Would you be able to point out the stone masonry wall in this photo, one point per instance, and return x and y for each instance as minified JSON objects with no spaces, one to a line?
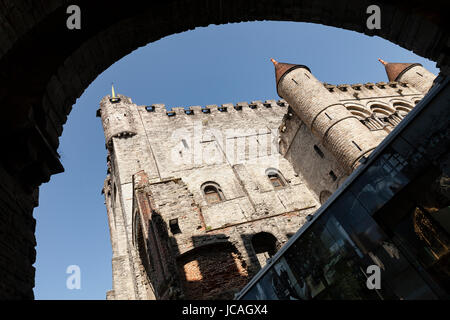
{"x":179,"y":153}
{"x":419,"y":78}
{"x":194,"y":247}
{"x":380,"y":106}
{"x":337,"y":128}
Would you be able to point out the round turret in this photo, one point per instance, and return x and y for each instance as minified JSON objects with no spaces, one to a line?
{"x":117,"y":118}
{"x":413,"y":74}
{"x":339,"y":130}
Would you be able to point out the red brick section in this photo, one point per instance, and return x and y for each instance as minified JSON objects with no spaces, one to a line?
{"x":141,"y":198}
{"x":162,"y":272}
{"x":213,"y":272}
{"x":157,"y":277}
{"x":153,"y":246}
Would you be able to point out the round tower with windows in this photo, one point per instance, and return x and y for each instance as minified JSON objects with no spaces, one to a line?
{"x":413,"y":74}
{"x":340,"y":131}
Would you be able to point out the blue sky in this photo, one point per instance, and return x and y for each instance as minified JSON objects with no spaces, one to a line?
{"x":213,"y":65}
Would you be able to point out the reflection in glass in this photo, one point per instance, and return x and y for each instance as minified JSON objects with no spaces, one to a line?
{"x":330,"y":260}
{"x":395,"y":215}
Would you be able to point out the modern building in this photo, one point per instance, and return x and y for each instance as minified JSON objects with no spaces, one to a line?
{"x":199,"y":199}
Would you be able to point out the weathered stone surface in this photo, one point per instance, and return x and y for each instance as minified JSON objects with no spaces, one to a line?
{"x":157,"y":179}
{"x":376,"y":108}
{"x":169,"y":241}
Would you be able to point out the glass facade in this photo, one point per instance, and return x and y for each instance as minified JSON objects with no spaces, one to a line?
{"x":394,"y":214}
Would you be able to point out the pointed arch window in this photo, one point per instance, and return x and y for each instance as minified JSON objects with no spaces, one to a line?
{"x":212,"y":192}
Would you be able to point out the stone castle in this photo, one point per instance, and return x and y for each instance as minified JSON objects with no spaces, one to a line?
{"x":198,"y":198}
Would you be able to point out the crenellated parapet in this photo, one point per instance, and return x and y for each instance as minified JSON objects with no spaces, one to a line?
{"x":413,"y":74}
{"x":117,"y":118}
{"x":214,"y":108}
{"x":361,"y":91}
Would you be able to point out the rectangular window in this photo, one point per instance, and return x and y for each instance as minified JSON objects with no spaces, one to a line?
{"x":174,"y":227}
{"x":318,"y":151}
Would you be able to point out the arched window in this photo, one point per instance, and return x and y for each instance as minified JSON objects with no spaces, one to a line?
{"x":275,"y":178}
{"x":212,"y":192}
{"x":207,"y":270}
{"x":365,"y":117}
{"x":265,"y":245}
{"x":324,"y":195}
{"x":386,"y":115}
{"x":382,"y":111}
{"x":415,"y":100}
{"x":402,"y":108}
{"x":360,"y":112}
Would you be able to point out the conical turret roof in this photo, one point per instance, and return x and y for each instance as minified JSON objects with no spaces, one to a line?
{"x":395,"y":70}
{"x":282,"y":68}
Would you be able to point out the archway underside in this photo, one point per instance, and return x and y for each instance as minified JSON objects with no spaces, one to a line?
{"x":45,"y":67}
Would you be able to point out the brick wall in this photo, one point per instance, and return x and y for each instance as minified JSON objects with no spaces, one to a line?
{"x":213,"y":272}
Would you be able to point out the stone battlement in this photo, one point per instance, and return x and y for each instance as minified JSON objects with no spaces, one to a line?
{"x":213,"y":108}
{"x":368,"y":85}
{"x":367,"y":90}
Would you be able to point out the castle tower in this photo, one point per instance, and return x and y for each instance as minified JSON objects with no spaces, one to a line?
{"x":340,"y":131}
{"x":412,"y":73}
{"x":117,"y":119}
{"x":198,"y":198}
{"x":123,"y":141}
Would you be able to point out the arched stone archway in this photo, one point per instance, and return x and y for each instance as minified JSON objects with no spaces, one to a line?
{"x":265,"y":246}
{"x":45,"y":67}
